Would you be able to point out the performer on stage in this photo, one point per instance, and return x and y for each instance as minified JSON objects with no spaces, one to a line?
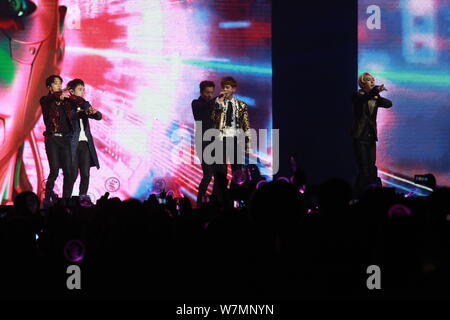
{"x":365,"y":107}
{"x":230,"y":117}
{"x":84,"y":155}
{"x":57,"y":114}
{"x":202,"y":109}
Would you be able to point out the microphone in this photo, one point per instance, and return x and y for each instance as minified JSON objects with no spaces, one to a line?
{"x":221,"y":95}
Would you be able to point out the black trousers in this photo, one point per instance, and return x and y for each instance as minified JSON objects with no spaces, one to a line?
{"x":365,"y":155}
{"x":59,"y":156}
{"x":82,"y":164}
{"x":233,"y":155}
{"x":209,"y":171}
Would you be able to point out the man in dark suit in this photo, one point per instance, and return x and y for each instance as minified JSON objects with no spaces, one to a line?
{"x":84,"y":155}
{"x":365,"y":107}
{"x":201,"y":109}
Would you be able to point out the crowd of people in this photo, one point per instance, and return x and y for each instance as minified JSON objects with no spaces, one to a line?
{"x":286,"y":242}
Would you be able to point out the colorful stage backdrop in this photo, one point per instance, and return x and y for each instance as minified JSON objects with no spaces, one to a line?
{"x":142,"y":61}
{"x":405,"y":44}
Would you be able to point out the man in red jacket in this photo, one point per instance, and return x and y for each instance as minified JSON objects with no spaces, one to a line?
{"x":57,"y":113}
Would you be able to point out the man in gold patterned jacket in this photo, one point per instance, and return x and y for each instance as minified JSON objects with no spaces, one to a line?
{"x":230,"y":117}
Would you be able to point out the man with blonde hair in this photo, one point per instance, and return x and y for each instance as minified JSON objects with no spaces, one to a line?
{"x":364,"y":132}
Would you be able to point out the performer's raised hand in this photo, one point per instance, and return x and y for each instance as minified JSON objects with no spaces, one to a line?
{"x":221,"y":96}
{"x":91,"y":110}
{"x":65,"y":95}
{"x":381,"y":88}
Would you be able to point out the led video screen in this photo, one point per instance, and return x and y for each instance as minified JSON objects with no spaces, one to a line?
{"x":142,"y":62}
{"x":405,"y":44}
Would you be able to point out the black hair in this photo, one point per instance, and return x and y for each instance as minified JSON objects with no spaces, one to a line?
{"x":72,"y":84}
{"x":205,"y":84}
{"x":51,"y":79}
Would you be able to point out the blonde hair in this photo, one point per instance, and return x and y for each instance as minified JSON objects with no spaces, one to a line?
{"x":361,"y":79}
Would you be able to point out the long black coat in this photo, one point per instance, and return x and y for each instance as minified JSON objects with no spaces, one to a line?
{"x":76,"y":135}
